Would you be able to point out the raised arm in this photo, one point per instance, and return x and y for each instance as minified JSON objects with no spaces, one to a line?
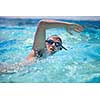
{"x":58,"y":24}
{"x":40,"y":35}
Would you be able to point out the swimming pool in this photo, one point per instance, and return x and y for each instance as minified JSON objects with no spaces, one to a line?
{"x":80,"y":63}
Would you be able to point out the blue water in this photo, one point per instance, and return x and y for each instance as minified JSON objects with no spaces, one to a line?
{"x":81,"y":63}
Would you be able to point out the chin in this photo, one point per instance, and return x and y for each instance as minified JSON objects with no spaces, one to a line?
{"x":52,"y":52}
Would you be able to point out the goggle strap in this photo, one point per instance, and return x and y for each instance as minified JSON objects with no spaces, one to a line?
{"x":63,"y":47}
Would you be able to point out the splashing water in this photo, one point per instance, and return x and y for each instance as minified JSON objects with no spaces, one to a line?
{"x":81,"y":63}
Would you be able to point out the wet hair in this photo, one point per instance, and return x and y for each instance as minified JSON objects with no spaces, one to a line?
{"x":55,"y":36}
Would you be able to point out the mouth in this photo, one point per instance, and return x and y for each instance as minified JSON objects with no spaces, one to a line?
{"x":52,"y":49}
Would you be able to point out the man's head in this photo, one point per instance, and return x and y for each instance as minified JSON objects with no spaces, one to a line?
{"x":54,"y":44}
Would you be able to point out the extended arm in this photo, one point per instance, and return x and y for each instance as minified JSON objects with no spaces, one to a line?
{"x":60,"y":24}
{"x":40,"y":34}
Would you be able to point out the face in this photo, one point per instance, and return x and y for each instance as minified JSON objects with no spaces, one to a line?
{"x":53,"y":45}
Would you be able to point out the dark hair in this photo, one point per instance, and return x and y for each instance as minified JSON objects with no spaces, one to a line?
{"x":56,"y":36}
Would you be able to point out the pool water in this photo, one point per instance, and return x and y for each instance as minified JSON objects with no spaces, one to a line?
{"x":80,"y":63}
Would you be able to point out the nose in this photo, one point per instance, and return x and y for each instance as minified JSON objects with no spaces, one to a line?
{"x":53,"y":44}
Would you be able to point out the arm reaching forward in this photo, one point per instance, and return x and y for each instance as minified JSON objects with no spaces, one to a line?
{"x":40,"y":34}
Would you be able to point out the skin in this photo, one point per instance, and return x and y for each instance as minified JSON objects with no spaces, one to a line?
{"x":40,"y":36}
{"x":52,"y":48}
{"x":39,"y":41}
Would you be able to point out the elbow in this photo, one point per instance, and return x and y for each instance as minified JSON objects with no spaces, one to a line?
{"x":41,"y":22}
{"x":46,"y":21}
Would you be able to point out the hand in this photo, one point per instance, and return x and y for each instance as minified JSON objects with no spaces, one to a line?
{"x":74,"y":27}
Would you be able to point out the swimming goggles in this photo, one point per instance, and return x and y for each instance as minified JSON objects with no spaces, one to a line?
{"x":57,"y":44}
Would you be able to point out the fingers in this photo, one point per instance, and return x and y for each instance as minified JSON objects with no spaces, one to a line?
{"x":77,"y":30}
{"x":79,"y":27}
{"x":74,"y":27}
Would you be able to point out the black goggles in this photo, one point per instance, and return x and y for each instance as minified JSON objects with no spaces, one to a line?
{"x":57,"y":44}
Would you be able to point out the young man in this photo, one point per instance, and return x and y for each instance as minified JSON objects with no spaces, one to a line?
{"x":41,"y":46}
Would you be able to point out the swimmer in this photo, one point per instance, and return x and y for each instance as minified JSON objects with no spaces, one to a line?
{"x":42,"y":47}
